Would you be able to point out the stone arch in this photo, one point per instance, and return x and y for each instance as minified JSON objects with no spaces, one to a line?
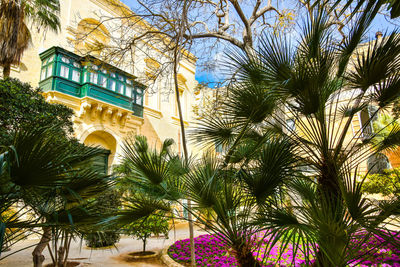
{"x":104,"y":138}
{"x":91,"y":36}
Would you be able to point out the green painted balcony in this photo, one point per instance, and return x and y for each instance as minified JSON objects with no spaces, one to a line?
{"x":87,"y":76}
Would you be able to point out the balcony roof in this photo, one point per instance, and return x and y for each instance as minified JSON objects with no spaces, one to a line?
{"x":88,"y":58}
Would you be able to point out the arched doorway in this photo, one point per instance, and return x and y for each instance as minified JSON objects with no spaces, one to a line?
{"x":105,"y":141}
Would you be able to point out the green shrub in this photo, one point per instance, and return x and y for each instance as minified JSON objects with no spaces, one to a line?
{"x":386,"y":184}
{"x":102,"y":239}
{"x":154,"y":224}
{"x":21,"y":105}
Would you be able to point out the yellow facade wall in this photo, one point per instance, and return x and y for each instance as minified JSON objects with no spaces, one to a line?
{"x":102,"y":124}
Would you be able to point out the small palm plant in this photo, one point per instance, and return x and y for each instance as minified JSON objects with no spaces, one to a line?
{"x":231,"y":191}
{"x":53,"y":181}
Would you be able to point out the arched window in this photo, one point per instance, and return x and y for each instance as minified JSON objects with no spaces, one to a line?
{"x":151,"y":72}
{"x":91,"y":37}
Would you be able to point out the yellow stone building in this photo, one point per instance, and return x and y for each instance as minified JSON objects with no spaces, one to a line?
{"x":111,"y":99}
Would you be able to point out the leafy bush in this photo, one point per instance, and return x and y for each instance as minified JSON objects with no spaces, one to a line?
{"x":386,"y":184}
{"x":102,"y":239}
{"x":22,"y":106}
{"x":154,"y":224}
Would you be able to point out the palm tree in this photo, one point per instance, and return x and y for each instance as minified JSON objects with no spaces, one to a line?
{"x":321,"y":84}
{"x":15,"y":36}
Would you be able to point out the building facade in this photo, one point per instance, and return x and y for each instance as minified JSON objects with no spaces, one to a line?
{"x":112,"y":99}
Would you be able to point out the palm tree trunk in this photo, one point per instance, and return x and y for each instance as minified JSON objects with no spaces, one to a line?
{"x":244,"y":256}
{"x":62,"y":250}
{"x":38,"y":257}
{"x":6,"y":71}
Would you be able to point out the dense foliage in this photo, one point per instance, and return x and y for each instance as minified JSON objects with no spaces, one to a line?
{"x":386,"y":184}
{"x":23,"y":106}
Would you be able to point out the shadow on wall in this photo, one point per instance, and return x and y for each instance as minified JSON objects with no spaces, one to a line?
{"x":104,"y":140}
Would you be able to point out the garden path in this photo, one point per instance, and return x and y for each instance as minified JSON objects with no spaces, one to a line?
{"x":104,"y":257}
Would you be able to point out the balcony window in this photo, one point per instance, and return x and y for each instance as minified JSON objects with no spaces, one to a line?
{"x":64,"y":71}
{"x":76,"y":76}
{"x":103,"y":81}
{"x":120,"y":88}
{"x":65,"y":60}
{"x":112,"y":85}
{"x":366,"y":118}
{"x":93,"y":77}
{"x":128,"y":91}
{"x":139,"y":97}
{"x":43,"y":74}
{"x":49,"y":70}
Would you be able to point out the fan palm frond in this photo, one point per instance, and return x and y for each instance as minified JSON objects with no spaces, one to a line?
{"x":391,"y":141}
{"x":147,"y":164}
{"x":375,"y":63}
{"x":215,"y":130}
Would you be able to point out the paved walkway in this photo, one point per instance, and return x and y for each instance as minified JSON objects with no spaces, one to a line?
{"x":100,"y":257}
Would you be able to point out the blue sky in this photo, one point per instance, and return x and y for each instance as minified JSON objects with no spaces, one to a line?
{"x":217,"y":57}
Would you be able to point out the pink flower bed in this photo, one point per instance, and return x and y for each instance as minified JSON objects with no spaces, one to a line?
{"x":387,"y":254}
{"x":212,"y":251}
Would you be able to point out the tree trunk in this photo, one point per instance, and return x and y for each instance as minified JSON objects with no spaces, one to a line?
{"x":3,"y":246}
{"x":6,"y":71}
{"x":38,"y":257}
{"x":144,"y":244}
{"x":330,"y":198}
{"x":177,"y":54}
{"x":182,"y":126}
{"x":321,"y":260}
{"x":61,"y":255}
{"x":245,"y":257}
{"x":249,"y":50}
